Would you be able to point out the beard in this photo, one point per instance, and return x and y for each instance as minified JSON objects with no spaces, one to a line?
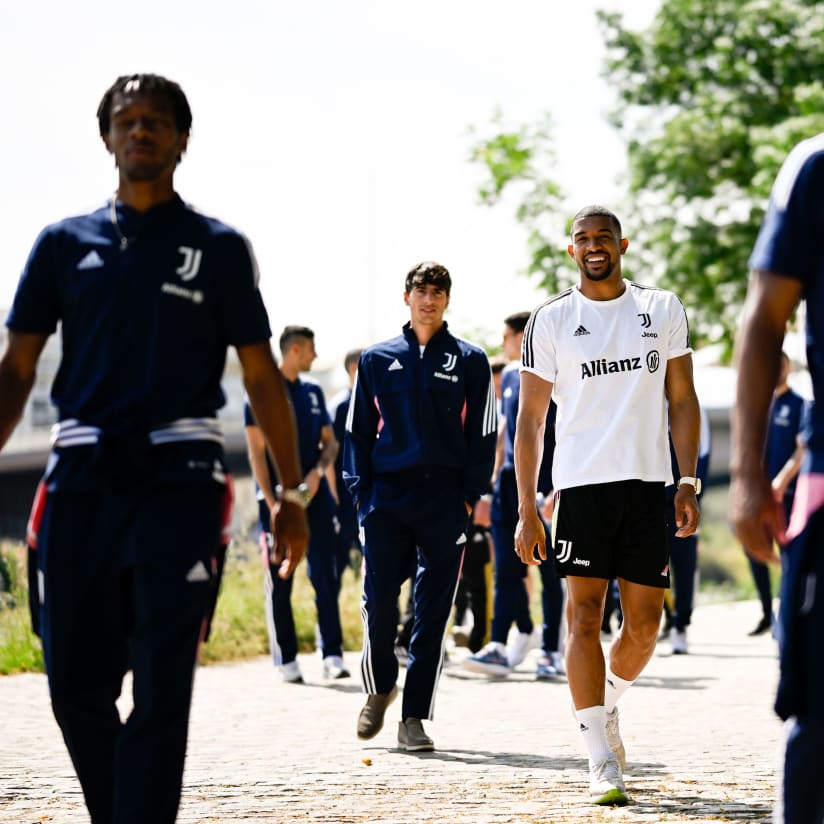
{"x":596,"y":278}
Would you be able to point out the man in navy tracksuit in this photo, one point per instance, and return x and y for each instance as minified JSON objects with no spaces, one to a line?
{"x":130,"y":518}
{"x":348,"y":537}
{"x":511,"y":595}
{"x":419,"y":452}
{"x":317,"y":447}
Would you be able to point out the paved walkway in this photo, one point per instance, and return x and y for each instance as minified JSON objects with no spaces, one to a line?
{"x":701,"y":739}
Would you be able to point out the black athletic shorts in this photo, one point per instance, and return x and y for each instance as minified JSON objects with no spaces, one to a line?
{"x":612,"y":530}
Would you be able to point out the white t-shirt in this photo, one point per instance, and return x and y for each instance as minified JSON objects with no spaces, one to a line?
{"x":607,"y":362}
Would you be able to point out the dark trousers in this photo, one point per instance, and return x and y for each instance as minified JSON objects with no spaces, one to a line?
{"x":127,"y":582}
{"x":802,"y":791}
{"x":683,"y":559}
{"x":801,"y":619}
{"x":761,"y":577}
{"x":683,"y":564}
{"x":432,"y":538}
{"x":511,"y":604}
{"x":322,"y":569}
{"x":473,"y":588}
{"x":347,"y":531}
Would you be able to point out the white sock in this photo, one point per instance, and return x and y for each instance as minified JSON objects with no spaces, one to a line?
{"x":592,"y":724}
{"x":615,"y":687}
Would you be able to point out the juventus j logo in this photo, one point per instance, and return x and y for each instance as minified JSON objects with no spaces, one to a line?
{"x":450,"y":362}
{"x":566,"y":551}
{"x":191,"y":262}
{"x":646,"y":321}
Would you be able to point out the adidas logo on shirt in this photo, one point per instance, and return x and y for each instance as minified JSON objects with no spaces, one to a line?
{"x":198,"y":573}
{"x":91,"y":261}
{"x":581,"y":330}
{"x":395,"y":365}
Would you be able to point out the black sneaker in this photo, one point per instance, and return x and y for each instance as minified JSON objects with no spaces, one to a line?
{"x":764,"y":625}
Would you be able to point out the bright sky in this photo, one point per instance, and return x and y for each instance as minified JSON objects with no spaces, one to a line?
{"x":334,"y":134}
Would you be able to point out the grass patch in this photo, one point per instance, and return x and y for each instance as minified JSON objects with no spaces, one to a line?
{"x":20,"y":649}
{"x":239,"y":626}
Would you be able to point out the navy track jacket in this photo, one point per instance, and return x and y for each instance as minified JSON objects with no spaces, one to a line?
{"x":416,"y":412}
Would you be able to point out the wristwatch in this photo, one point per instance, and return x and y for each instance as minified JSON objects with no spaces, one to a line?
{"x":300,"y":495}
{"x":696,"y":482}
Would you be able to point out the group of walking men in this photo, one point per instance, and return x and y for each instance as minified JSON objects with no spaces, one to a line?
{"x":129,"y":525}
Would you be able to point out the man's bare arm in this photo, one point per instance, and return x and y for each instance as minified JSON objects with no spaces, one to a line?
{"x":273,"y":412}
{"x":685,"y":426}
{"x":326,"y":458}
{"x":18,"y":368}
{"x":754,"y":513}
{"x":533,"y":403}
{"x":256,"y":452}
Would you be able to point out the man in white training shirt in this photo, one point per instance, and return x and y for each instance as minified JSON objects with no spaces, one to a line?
{"x":616,"y":358}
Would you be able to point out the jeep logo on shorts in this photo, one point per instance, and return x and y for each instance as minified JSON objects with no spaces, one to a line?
{"x":653,"y":361}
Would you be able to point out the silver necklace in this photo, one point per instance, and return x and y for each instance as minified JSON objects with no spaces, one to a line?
{"x":124,"y":241}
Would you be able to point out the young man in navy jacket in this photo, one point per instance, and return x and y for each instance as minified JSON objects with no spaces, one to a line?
{"x":131,"y":519}
{"x":418,"y":454}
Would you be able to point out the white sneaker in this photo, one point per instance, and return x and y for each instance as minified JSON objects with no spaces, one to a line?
{"x":334,"y":668}
{"x":678,"y":639}
{"x":614,"y":739}
{"x":557,"y":660}
{"x":517,"y":648}
{"x":606,"y":785}
{"x":291,"y":673}
{"x":519,"y":644}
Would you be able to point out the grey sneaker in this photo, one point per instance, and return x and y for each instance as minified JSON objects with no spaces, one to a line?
{"x":606,"y":785}
{"x":549,"y":666}
{"x":370,"y":720}
{"x":412,"y":738}
{"x":614,"y":739}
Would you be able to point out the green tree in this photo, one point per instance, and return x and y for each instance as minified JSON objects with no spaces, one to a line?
{"x":517,"y":164}
{"x":712,"y":95}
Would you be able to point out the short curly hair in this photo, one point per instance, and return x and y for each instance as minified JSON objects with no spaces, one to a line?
{"x":150,"y":84}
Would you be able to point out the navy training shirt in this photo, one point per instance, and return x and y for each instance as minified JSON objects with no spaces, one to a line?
{"x":510,"y":395}
{"x":418,"y":410}
{"x":144,"y":329}
{"x":311,"y":416}
{"x":338,"y":410}
{"x":789,"y":244}
{"x":787,"y":413}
